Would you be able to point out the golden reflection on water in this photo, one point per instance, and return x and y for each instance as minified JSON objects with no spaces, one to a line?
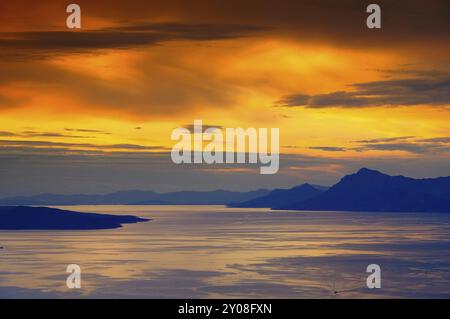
{"x":213,"y":251}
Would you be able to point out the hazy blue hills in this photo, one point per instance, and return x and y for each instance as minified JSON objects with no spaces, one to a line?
{"x":279,"y":197}
{"x":43,"y":218}
{"x":116,"y":198}
{"x":370,"y":190}
{"x":218,"y":197}
{"x":365,"y":190}
{"x":137,"y":197}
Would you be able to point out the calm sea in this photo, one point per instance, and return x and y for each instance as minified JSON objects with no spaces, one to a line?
{"x":218,"y":252}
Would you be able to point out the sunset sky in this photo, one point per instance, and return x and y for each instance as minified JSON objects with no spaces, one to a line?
{"x":92,"y":110}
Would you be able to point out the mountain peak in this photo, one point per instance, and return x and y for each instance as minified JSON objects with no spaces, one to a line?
{"x":368,"y":171}
{"x":371,"y":190}
{"x":279,"y":197}
{"x":304,"y":185}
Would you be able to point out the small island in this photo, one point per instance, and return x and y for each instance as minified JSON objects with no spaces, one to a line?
{"x":44,"y":218}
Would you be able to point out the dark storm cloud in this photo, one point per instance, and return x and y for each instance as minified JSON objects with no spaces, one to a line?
{"x":400,"y":92}
{"x":343,"y":22}
{"x":47,"y":43}
{"x":337,"y":22}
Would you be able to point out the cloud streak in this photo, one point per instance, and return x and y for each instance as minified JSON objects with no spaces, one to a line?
{"x":399,"y":92}
{"x":41,"y":44}
{"x":386,"y":139}
{"x":328,"y":148}
{"x":416,"y":148}
{"x":28,"y":134}
{"x":409,"y":144}
{"x":37,"y":145}
{"x":80,"y":130}
{"x":191,"y":127}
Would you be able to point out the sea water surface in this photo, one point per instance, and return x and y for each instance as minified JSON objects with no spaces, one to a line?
{"x":219,"y":252}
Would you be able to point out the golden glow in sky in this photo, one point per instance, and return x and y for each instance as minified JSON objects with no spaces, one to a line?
{"x":137,"y":70}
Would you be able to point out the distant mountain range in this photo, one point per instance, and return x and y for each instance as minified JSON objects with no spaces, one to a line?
{"x":366,"y":190}
{"x":136,"y":197}
{"x":370,"y":190}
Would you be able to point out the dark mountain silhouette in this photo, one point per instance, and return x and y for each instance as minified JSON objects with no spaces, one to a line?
{"x":279,"y":197}
{"x":370,"y":190}
{"x":136,"y":197}
{"x":366,"y":190}
{"x":43,"y":218}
